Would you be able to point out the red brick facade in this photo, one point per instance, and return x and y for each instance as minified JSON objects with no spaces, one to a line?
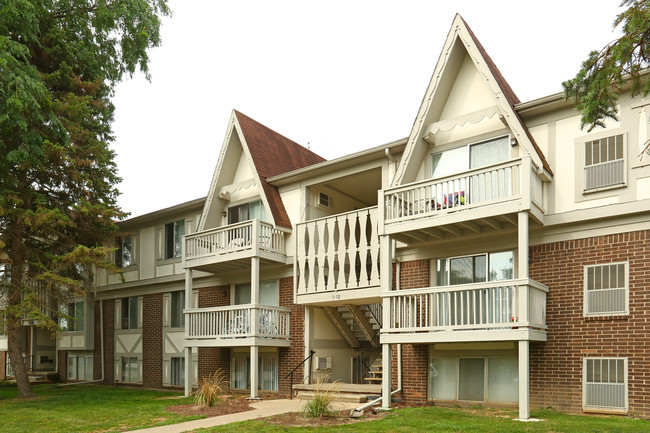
{"x":556,"y":365}
{"x":290,"y":357}
{"x":211,"y":359}
{"x":152,"y":338}
{"x":109,"y":342}
{"x":3,"y":365}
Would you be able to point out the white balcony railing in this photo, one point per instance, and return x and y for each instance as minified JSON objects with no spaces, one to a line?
{"x":254,"y":235}
{"x":511,"y":304}
{"x":338,"y":252}
{"x":237,"y":321}
{"x":501,"y":182}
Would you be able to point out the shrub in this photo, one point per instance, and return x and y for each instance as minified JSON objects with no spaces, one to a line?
{"x":322,"y":403}
{"x":211,"y":388}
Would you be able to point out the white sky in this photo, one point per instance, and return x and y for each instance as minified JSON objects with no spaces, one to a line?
{"x":343,"y":76}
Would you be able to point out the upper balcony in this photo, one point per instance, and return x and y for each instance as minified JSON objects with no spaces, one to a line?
{"x":488,"y":311}
{"x":477,"y":200}
{"x":230,"y":247}
{"x":337,"y":259}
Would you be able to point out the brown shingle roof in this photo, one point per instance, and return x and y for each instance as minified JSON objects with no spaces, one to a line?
{"x":274,"y":154}
{"x":510,"y":95}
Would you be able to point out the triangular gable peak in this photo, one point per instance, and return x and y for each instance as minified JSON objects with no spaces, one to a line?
{"x":251,"y":153}
{"x":467,"y":99}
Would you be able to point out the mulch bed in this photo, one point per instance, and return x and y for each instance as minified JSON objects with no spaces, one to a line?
{"x":225,"y":407}
{"x":296,"y":419}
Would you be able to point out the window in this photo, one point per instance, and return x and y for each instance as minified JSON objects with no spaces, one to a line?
{"x":269,"y":293}
{"x":178,"y":305}
{"x":247,"y":211}
{"x":604,"y":163}
{"x":605,"y":383}
{"x":267,"y":371}
{"x":80,"y":367}
{"x":130,"y":313}
{"x":493,"y":379}
{"x":74,"y":317}
{"x":174,"y":239}
{"x":130,"y":369}
{"x":472,"y":156}
{"x":475,"y":269}
{"x":178,"y":372}
{"x":125,"y":254}
{"x":606,"y":289}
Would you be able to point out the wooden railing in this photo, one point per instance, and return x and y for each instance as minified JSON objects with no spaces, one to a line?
{"x":338,"y":252}
{"x":496,"y":183}
{"x":250,"y":235}
{"x":480,"y":306}
{"x":237,"y":321}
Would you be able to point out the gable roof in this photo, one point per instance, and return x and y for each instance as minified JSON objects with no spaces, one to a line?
{"x":461,"y":37}
{"x":273,"y":154}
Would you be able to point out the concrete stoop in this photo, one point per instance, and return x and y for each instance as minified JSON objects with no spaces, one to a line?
{"x":348,"y":398}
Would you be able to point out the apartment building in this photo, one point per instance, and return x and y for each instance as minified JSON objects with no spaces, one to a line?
{"x":497,"y":255}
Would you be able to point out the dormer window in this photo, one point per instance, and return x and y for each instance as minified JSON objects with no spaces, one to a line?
{"x":471,"y":156}
{"x":247,"y":211}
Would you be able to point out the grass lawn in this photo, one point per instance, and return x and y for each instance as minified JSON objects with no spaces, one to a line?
{"x":436,"y":419}
{"x":86,"y":408}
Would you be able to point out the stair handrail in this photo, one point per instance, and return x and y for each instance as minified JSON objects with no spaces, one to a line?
{"x":374,"y":341}
{"x":309,"y":358}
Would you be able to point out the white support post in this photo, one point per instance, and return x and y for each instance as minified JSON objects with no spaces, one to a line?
{"x":386,"y":376}
{"x":188,"y":350}
{"x":253,"y":372}
{"x":524,"y":399}
{"x":524,"y":345}
{"x":309,"y":324}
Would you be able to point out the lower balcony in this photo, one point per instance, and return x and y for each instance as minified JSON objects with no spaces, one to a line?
{"x":237,"y":325}
{"x":494,"y":311}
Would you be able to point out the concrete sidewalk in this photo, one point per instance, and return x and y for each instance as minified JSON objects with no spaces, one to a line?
{"x":261,"y":409}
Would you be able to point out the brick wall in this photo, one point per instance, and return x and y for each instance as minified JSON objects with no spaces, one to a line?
{"x":152,"y":348}
{"x":212,"y":358}
{"x":413,"y":274}
{"x":289,"y":357}
{"x":414,"y":372}
{"x":63,"y":365}
{"x":556,"y":365}
{"x":3,"y":365}
{"x":109,"y":343}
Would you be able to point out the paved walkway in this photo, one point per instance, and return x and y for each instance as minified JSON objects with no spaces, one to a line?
{"x":262,"y":409}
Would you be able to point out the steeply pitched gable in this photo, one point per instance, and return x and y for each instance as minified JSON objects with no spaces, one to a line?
{"x":267,"y":153}
{"x":461,"y":51}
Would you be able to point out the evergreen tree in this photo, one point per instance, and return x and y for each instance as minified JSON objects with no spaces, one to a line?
{"x":604,"y":73}
{"x":59,"y":63}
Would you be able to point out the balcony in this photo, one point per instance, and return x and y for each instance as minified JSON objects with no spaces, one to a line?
{"x":337,"y":258}
{"x":229,"y":247}
{"x":237,"y":325}
{"x":493,"y":311}
{"x":476,"y":200}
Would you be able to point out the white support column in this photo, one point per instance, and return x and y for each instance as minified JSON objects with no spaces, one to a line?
{"x":309,"y":324}
{"x":524,"y":399}
{"x":253,"y":371}
{"x":189,"y":370}
{"x":386,"y":376}
{"x":254,"y":311}
{"x":524,"y":345}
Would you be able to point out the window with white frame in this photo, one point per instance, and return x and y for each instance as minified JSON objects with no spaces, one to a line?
{"x":174,"y":239}
{"x":80,"y":367}
{"x":605,"y":384}
{"x":130,"y":369}
{"x":606,"y":289}
{"x":130,"y":307}
{"x":72,"y":318}
{"x":267,"y":371}
{"x":177,"y":371}
{"x":475,"y":269}
{"x":125,"y":254}
{"x":177,"y":307}
{"x":247,"y":211}
{"x":474,"y":155}
{"x":604,"y":163}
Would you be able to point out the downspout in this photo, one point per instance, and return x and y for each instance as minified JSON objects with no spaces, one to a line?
{"x":101,"y":347}
{"x":357,"y":412}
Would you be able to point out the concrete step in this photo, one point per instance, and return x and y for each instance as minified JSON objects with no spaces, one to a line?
{"x":351,"y":398}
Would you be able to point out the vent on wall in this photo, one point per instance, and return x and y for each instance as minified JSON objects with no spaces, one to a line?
{"x":324,"y":200}
{"x":323,"y":363}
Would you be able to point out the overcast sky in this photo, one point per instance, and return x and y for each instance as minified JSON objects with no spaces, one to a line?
{"x":342,"y":76}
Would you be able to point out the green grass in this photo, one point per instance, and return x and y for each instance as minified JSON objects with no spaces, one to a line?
{"x":86,"y":408}
{"x":436,"y":419}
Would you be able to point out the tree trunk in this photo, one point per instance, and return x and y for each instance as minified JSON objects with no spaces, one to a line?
{"x":15,"y":317}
